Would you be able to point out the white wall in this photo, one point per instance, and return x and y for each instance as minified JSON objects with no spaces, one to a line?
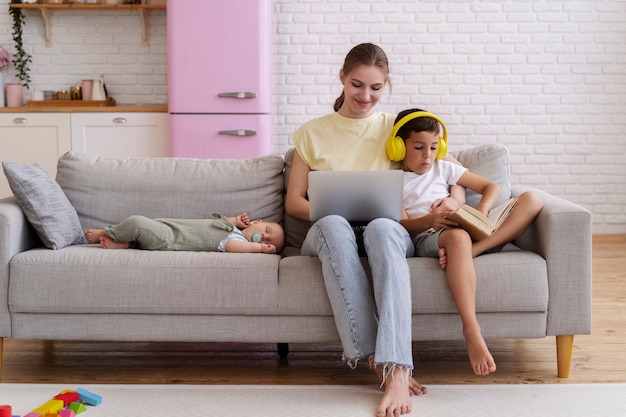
{"x":545,"y":78}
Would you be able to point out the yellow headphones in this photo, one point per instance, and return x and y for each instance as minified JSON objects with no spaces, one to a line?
{"x":396,"y":150}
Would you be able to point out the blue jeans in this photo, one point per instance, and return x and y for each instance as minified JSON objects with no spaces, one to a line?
{"x":371,"y":320}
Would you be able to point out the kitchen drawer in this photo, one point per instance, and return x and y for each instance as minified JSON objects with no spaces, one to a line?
{"x":121,"y":135}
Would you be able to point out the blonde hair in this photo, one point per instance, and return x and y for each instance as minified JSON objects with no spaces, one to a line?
{"x":363,"y":54}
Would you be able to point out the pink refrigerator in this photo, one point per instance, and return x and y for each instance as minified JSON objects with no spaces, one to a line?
{"x":219,"y":78}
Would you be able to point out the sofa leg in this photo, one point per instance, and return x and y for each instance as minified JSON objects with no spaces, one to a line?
{"x":564,"y":347}
{"x":283,"y":350}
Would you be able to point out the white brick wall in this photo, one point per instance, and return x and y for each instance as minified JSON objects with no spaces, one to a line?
{"x":545,"y":78}
{"x":87,"y":43}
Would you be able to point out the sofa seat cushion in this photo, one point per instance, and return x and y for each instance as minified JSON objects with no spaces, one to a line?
{"x":509,"y":281}
{"x":87,"y":279}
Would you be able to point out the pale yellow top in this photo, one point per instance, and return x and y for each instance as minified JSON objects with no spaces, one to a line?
{"x":338,"y":143}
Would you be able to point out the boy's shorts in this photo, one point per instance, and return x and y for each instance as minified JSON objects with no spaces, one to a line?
{"x":427,"y":244}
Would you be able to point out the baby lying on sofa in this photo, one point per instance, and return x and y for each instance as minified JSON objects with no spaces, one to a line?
{"x":219,"y":234}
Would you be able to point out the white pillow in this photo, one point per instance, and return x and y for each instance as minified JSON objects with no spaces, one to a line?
{"x":45,"y":205}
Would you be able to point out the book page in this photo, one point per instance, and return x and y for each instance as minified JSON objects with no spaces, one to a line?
{"x":473,"y":221}
{"x":498,"y":215}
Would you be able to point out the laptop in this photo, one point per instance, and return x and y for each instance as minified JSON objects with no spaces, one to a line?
{"x":358,"y":196}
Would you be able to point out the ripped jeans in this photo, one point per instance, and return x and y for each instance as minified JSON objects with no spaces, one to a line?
{"x":370,"y":321}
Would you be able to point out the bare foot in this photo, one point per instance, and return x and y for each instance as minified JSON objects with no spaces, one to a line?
{"x":415,"y":388}
{"x":107,"y":243}
{"x":94,"y":235}
{"x":396,"y":399}
{"x":480,"y":358}
{"x":443,"y":258}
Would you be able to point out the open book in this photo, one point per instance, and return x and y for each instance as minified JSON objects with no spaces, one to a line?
{"x":477,"y":224}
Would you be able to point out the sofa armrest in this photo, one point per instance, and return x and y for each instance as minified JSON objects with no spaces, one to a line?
{"x":562,"y":234}
{"x":16,"y":235}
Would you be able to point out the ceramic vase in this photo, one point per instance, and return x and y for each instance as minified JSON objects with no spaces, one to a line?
{"x":2,"y":103}
{"x":86,"y":86}
{"x":15,"y":95}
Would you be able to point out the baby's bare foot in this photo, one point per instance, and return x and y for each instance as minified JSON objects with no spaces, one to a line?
{"x":94,"y":235}
{"x":107,"y":243}
{"x":480,"y":358}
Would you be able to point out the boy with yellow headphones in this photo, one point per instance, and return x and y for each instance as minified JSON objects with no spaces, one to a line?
{"x":415,"y":140}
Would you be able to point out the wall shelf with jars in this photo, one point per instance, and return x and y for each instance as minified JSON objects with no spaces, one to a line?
{"x":46,"y":10}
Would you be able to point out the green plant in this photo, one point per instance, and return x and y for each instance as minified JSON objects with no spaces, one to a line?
{"x":21,"y":58}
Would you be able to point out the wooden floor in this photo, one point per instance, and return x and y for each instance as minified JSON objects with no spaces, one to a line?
{"x":600,"y":357}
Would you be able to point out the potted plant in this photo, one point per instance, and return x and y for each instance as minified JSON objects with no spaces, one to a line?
{"x":21,"y":58}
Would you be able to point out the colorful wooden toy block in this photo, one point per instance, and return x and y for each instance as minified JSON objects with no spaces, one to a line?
{"x":51,"y":407}
{"x":5,"y":411}
{"x":31,"y":414}
{"x":88,"y":397}
{"x":77,"y":408}
{"x":67,"y":413}
{"x":67,"y":397}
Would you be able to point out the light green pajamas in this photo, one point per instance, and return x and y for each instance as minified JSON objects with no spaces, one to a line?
{"x":172,"y":234}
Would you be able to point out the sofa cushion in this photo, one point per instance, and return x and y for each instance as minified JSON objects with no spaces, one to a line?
{"x":491,"y":162}
{"x":295,"y":229}
{"x":83,"y":279}
{"x":107,"y":190}
{"x":509,"y":281}
{"x":44,"y":204}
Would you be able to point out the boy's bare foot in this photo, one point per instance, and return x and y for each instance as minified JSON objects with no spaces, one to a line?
{"x":396,"y":399}
{"x":94,"y":235}
{"x":443,"y":258}
{"x":107,"y":243}
{"x":480,"y":358}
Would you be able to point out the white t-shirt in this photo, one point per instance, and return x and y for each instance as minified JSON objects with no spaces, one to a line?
{"x":420,"y":191}
{"x":234,"y":235}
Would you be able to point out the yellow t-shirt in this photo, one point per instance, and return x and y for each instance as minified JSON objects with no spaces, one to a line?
{"x":338,"y":143}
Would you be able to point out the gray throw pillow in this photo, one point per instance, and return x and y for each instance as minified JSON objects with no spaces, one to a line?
{"x":45,"y":205}
{"x":491,"y":162}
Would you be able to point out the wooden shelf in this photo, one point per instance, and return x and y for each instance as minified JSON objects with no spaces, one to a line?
{"x":47,"y":9}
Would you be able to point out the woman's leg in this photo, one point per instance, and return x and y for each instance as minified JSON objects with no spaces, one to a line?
{"x":388,"y":245}
{"x":528,"y":206}
{"x":461,"y":277}
{"x":333,"y":241}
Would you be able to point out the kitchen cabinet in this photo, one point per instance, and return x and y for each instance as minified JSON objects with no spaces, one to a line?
{"x":120,"y":135}
{"x":28,"y":138}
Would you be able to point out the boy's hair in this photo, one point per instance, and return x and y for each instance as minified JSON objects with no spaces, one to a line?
{"x":419,"y":124}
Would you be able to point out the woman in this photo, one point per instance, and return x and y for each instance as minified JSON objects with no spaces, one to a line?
{"x":373,"y":324}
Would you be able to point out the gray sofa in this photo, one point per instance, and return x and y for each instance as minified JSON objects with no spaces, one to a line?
{"x":536,"y":287}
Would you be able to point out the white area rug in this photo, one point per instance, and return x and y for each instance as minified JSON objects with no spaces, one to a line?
{"x":533,"y":400}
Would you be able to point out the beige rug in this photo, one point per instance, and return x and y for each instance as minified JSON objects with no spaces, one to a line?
{"x":533,"y":400}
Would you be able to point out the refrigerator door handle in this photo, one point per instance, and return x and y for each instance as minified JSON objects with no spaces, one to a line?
{"x":239,"y":132}
{"x":239,"y":94}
